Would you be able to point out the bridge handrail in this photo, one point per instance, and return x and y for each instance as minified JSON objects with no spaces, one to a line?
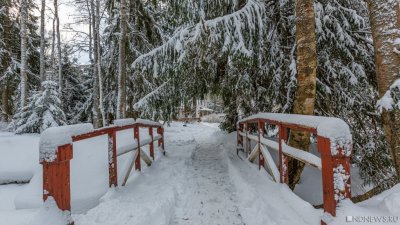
{"x":334,"y":142}
{"x":56,"y":151}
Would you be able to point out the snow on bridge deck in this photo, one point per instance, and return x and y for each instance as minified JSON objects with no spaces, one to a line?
{"x":201,"y":181}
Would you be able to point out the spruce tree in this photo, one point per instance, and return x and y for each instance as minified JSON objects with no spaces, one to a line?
{"x":42,"y":111}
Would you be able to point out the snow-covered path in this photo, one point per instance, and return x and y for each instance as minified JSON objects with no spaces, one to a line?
{"x":200,"y":181}
{"x":209,"y":195}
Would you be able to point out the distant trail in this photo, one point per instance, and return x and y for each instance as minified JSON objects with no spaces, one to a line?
{"x":209,"y":196}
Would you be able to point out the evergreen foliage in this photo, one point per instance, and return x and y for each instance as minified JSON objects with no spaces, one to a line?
{"x":43,"y":111}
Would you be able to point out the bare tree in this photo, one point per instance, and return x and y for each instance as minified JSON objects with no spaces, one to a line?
{"x":121,"y":102}
{"x":60,"y":78}
{"x":95,"y":67}
{"x":24,"y":40}
{"x":42,"y":42}
{"x":98,"y":52}
{"x":306,"y":79}
{"x":385,"y":24}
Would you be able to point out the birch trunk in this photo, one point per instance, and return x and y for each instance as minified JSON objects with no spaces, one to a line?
{"x":95,"y":68}
{"x":90,"y":32}
{"x":385,"y":23}
{"x":53,"y":50}
{"x":42,"y":43}
{"x":121,"y":102}
{"x":60,"y":78}
{"x":100,"y":85}
{"x":306,"y":80}
{"x":24,"y":40}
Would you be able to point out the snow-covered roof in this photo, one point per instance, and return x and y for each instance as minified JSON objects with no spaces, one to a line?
{"x":54,"y":137}
{"x":329,"y":127}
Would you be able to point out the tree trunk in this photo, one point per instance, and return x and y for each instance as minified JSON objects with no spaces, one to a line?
{"x":6,"y":62}
{"x":4,"y":102}
{"x":42,"y":43}
{"x":24,"y":40}
{"x":306,"y":80}
{"x":121,"y":108}
{"x":100,"y":85}
{"x":53,"y":51}
{"x":88,"y":4}
{"x":60,"y":78}
{"x":384,"y":18}
{"x":95,"y":68}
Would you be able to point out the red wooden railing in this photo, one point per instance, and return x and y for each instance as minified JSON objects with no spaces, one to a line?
{"x":56,"y":169}
{"x":333,"y":141}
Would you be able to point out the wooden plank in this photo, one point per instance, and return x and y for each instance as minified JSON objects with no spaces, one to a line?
{"x":270,"y":164}
{"x":145,"y":157}
{"x":253,"y":155}
{"x":136,"y":154}
{"x":302,"y":156}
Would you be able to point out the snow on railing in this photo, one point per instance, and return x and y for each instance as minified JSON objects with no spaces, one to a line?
{"x":334,"y":142}
{"x":56,"y":151}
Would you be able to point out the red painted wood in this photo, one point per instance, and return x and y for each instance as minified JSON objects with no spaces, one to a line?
{"x":283,"y":159}
{"x":112,"y":159}
{"x":160,"y":131}
{"x":137,"y":139}
{"x":56,"y":178}
{"x":239,"y":138}
{"x":92,"y":134}
{"x":248,"y":140}
{"x":261,"y":160}
{"x":56,"y":175}
{"x":330,"y":163}
{"x":287,"y":125}
{"x":152,"y":142}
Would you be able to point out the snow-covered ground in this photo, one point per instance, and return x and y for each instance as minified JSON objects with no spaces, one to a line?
{"x":201,"y":180}
{"x":19,"y":157}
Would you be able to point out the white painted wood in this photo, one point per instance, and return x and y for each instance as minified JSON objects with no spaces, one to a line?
{"x":130,"y":168}
{"x":145,"y":157}
{"x":270,"y":164}
{"x":253,"y":155}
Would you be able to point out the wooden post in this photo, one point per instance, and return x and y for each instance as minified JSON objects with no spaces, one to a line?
{"x":151,"y":143}
{"x":137,"y":139}
{"x":112,"y":159}
{"x":335,"y":174}
{"x":239,"y":138}
{"x":283,"y":161}
{"x":248,"y":141}
{"x":56,"y":178}
{"x":160,"y":131}
{"x":261,"y":127}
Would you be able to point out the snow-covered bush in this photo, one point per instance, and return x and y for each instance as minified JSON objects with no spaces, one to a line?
{"x":42,"y":112}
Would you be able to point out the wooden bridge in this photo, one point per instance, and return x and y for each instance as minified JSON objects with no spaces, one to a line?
{"x":332,"y":135}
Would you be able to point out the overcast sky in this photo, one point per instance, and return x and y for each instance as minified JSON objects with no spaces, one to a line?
{"x":66,"y":12}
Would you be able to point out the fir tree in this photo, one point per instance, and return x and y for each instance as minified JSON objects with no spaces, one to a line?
{"x":42,"y":111}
